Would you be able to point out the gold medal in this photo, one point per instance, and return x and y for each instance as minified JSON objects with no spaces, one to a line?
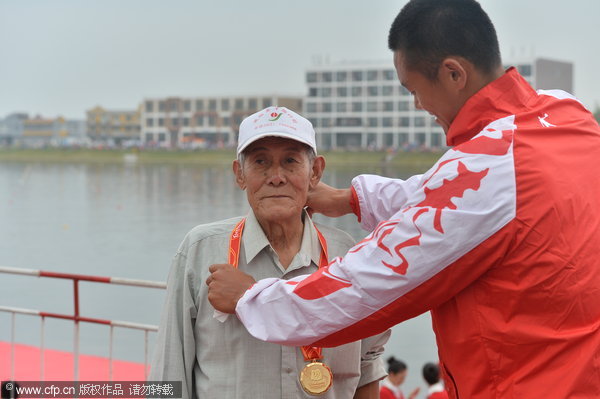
{"x":316,"y":378}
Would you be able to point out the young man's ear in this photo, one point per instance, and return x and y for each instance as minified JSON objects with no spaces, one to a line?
{"x":317,"y":171}
{"x":239,"y":174}
{"x":454,"y":72}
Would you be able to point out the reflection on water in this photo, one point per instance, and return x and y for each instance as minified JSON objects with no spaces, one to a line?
{"x":126,"y":221}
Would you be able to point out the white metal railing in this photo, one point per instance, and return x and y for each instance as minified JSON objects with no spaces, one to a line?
{"x":76,"y":317}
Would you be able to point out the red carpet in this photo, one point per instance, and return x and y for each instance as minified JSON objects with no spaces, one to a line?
{"x":58,"y":366}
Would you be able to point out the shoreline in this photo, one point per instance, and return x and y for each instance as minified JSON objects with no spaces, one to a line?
{"x":401,"y":159}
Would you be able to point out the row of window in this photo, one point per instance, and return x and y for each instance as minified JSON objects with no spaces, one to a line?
{"x":353,"y":76}
{"x":44,"y":127}
{"x":359,"y":106}
{"x":419,"y":138}
{"x":224,"y":104}
{"x":104,"y":128}
{"x":111,"y":123}
{"x":358,"y":91}
{"x":373,"y":74}
{"x":404,"y":121}
{"x":115,"y":118}
{"x":162,"y":136}
{"x":374,"y":140}
{"x":197,"y":121}
{"x":318,"y":122}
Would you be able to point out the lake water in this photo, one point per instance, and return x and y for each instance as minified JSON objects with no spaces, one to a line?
{"x":127,"y":220}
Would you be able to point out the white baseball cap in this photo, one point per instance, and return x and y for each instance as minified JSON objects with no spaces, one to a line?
{"x":278,"y":122}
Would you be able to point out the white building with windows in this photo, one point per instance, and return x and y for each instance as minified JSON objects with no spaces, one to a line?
{"x":210,"y":122}
{"x":363,"y":105}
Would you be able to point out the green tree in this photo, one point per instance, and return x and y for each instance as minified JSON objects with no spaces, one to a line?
{"x":597,"y":113}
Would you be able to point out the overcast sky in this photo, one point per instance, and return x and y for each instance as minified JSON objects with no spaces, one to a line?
{"x":62,"y":57}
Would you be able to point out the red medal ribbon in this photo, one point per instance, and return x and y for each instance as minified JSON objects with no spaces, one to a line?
{"x":235,"y":241}
{"x":311,"y":353}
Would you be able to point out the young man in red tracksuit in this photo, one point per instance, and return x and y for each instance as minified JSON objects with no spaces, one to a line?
{"x":499,"y":239}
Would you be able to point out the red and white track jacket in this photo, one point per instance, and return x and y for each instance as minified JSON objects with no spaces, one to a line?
{"x":500,"y":240}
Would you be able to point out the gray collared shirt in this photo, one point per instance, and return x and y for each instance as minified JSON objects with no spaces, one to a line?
{"x":221,"y":360}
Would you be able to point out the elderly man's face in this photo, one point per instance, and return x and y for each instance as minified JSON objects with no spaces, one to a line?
{"x":277,"y":174}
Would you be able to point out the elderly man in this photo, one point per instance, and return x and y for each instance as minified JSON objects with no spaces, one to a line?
{"x":276,"y":166}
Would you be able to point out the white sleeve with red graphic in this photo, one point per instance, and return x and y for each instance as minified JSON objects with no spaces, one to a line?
{"x":395,"y":191}
{"x":409,"y":263}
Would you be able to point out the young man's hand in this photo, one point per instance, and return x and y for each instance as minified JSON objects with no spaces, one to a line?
{"x":329,"y":201}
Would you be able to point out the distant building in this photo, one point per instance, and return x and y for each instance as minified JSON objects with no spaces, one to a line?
{"x":543,"y":73}
{"x":11,"y":127}
{"x":44,"y":128}
{"x":202,"y":121}
{"x":51,"y":131}
{"x":363,"y":105}
{"x":115,"y":126}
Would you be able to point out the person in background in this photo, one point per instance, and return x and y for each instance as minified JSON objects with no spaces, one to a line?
{"x":391,"y":385}
{"x":213,"y":355}
{"x":431,"y":374}
{"x":498,"y":239}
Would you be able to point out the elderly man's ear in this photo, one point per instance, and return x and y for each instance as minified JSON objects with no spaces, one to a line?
{"x":239,"y":174}
{"x":317,"y":171}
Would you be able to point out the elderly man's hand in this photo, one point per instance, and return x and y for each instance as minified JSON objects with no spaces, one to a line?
{"x":329,"y":201}
{"x":226,"y":285}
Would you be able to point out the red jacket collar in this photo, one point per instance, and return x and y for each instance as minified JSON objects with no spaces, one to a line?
{"x":500,"y":98}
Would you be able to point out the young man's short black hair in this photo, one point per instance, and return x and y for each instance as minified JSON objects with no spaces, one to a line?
{"x":427,"y":31}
